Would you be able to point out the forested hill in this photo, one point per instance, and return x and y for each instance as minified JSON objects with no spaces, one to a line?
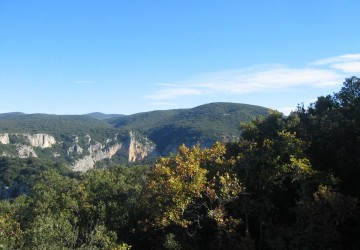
{"x":204,"y":124}
{"x":75,"y":140}
{"x":81,"y":141}
{"x":55,"y":125}
{"x":102,"y":116}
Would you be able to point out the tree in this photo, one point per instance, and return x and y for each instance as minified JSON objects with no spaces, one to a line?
{"x":174,"y":185}
{"x":189,"y":194}
{"x":329,"y":220}
{"x":111,"y":199}
{"x":332,"y":127}
{"x":11,"y":236}
{"x":272,"y":164}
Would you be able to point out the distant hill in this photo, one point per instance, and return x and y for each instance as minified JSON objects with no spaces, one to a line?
{"x":81,"y":141}
{"x":10,"y":115}
{"x":54,"y":124}
{"x":204,"y":124}
{"x":102,"y":116}
{"x":75,"y":140}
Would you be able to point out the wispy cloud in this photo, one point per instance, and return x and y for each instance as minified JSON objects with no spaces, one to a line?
{"x":337,"y":59}
{"x":350,"y":67}
{"x":349,"y":63}
{"x":263,"y":78}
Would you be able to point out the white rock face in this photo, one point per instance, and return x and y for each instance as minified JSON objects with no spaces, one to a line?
{"x":139,"y":150}
{"x":96,"y":147}
{"x":56,"y":155}
{"x":88,"y":137}
{"x":133,"y":147}
{"x":40,"y":140}
{"x":25,"y":151}
{"x":75,"y":149}
{"x":4,"y":154}
{"x":96,"y":154}
{"x":36,"y":140}
{"x":84,"y":164}
{"x":4,"y":138}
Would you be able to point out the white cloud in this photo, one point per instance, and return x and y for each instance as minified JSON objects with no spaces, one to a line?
{"x":349,"y":63}
{"x":326,"y":72}
{"x":349,"y":67}
{"x":337,"y":59}
{"x":272,"y":78}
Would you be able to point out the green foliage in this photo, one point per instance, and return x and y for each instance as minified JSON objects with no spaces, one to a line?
{"x":51,"y":231}
{"x":171,"y":243}
{"x":330,"y":220}
{"x":332,"y":125}
{"x":66,"y":213}
{"x":19,"y":175}
{"x":174,"y":184}
{"x":59,"y":126}
{"x":111,"y":197}
{"x":102,"y":116}
{"x":191,"y":190}
{"x":10,"y":232}
{"x":273,"y":166}
{"x":206,"y":124}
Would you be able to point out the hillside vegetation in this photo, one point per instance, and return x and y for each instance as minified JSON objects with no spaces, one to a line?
{"x":56,"y":125}
{"x":102,"y":116}
{"x":204,"y":124}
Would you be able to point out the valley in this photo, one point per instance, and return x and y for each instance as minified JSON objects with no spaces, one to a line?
{"x":82,"y":141}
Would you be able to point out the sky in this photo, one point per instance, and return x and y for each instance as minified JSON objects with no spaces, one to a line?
{"x":130,"y":56}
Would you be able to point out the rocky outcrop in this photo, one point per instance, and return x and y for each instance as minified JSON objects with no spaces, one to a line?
{"x":97,"y":153}
{"x":5,"y":154}
{"x":134,"y":148}
{"x":131,"y":146}
{"x":40,"y":140}
{"x":25,"y":143}
{"x":4,"y":139}
{"x":139,"y":149}
{"x":25,"y":151}
{"x":75,"y":149}
{"x":35,"y":140}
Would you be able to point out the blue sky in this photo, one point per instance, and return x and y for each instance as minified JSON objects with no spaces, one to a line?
{"x":128,"y":56}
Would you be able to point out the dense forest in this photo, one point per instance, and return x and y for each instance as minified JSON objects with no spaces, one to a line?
{"x":205,"y":124}
{"x":289,"y":182}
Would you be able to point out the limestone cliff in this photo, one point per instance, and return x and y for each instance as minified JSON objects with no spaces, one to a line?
{"x":25,"y":151}
{"x":34,"y":140}
{"x":40,"y":140}
{"x":75,"y":149}
{"x":97,"y":153}
{"x":134,"y":148}
{"x":4,"y":139}
{"x":81,"y":153}
{"x":139,"y":147}
{"x":24,"y":143}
